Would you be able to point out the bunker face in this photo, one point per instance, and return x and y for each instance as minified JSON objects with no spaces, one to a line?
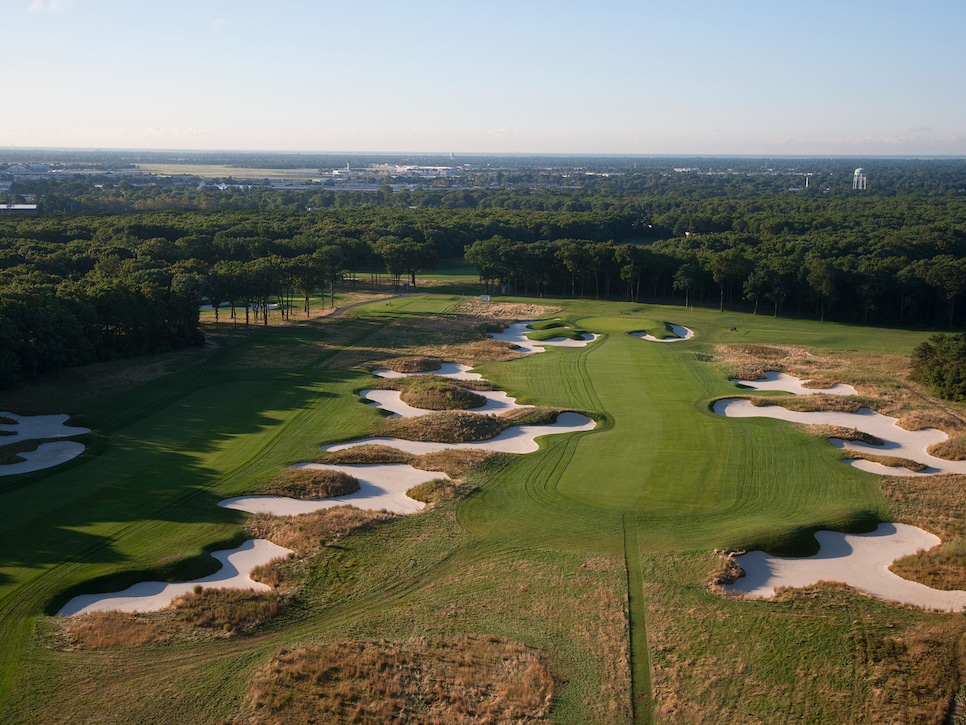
{"x":519,"y":439}
{"x":34,"y":427}
{"x":683,"y":333}
{"x":516,"y":334}
{"x":790,"y":384}
{"x":236,"y":567}
{"x":859,"y":560}
{"x":382,"y":487}
{"x":446,"y":370}
{"x":46,"y":456}
{"x":898,"y":442}
{"x":496,"y":402}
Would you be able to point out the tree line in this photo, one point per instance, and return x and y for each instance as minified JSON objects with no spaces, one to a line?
{"x":76,"y":288}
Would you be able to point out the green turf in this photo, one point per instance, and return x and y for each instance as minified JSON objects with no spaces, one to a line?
{"x":661,"y":474}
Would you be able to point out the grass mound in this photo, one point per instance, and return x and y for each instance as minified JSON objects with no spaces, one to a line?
{"x":435,"y":491}
{"x":458,"y":427}
{"x":812,"y":403}
{"x":891,"y":461}
{"x":458,"y":680}
{"x":546,"y":325}
{"x":436,"y":394}
{"x":952,"y":449}
{"x":846,"y":434}
{"x":4,"y":420}
{"x":310,"y":483}
{"x":454,"y":463}
{"x":114,"y":630}
{"x":228,"y":610}
{"x":418,"y":364}
{"x":307,"y":533}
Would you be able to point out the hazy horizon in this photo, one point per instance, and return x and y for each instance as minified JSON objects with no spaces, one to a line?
{"x":616,"y":78}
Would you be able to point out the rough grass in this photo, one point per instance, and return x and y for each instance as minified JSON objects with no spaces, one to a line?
{"x":115,"y":630}
{"x":811,"y":403}
{"x":458,"y":427}
{"x":4,"y":420}
{"x":837,"y":431}
{"x":891,"y":461}
{"x":309,"y":483}
{"x":937,"y":504}
{"x":432,"y":492}
{"x":438,"y":394}
{"x":454,"y":463}
{"x":952,"y":449}
{"x":504,"y":310}
{"x":418,"y":364}
{"x":465,"y":679}
{"x":228,"y":610}
{"x":307,"y":533}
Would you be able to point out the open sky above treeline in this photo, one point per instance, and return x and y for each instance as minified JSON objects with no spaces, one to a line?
{"x":523,"y":76}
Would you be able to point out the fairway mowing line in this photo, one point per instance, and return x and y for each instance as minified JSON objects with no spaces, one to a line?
{"x":641,"y":696}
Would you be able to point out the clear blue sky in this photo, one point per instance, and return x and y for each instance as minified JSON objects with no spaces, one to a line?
{"x":601,"y":76}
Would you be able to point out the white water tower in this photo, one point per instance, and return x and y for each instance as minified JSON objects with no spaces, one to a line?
{"x":859,"y":180}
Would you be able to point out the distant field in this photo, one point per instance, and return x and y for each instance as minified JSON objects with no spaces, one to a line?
{"x":218,"y":171}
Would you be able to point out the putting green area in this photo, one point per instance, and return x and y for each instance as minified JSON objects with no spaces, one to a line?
{"x":595,"y":551}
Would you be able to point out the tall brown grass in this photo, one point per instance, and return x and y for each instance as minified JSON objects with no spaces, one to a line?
{"x":465,"y":679}
{"x":310,"y":483}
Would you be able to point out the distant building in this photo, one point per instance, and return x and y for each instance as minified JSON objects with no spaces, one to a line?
{"x":18,"y":208}
{"x":859,"y":180}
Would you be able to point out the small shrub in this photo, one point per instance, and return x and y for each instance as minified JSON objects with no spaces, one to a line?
{"x":940,"y":365}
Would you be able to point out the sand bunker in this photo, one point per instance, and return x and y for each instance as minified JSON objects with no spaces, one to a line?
{"x":790,"y":384}
{"x":31,"y":427}
{"x":859,"y":560}
{"x":236,"y":566}
{"x":496,"y":402}
{"x":899,"y":442}
{"x":516,"y":334}
{"x":446,"y":370}
{"x":382,"y":487}
{"x":45,"y":456}
{"x":34,"y":427}
{"x":519,"y":439}
{"x":683,"y":333}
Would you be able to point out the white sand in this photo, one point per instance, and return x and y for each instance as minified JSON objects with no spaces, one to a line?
{"x":683,"y":333}
{"x":516,"y":334}
{"x":30,"y":427}
{"x":899,"y":442}
{"x":236,"y":566}
{"x":496,"y":402}
{"x":446,"y":370}
{"x":859,"y":560}
{"x":519,"y":439}
{"x":46,"y":455}
{"x":382,"y":487}
{"x":791,"y":384}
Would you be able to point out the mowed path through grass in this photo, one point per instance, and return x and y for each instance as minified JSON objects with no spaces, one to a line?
{"x":661,"y":464}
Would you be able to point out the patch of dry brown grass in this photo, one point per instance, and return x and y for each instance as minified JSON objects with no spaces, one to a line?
{"x":309,"y":483}
{"x":466,"y":679}
{"x":810,"y":403}
{"x":415,"y":364}
{"x":838,"y":431}
{"x":115,"y":630}
{"x":952,"y":449}
{"x":726,"y":570}
{"x":459,"y":427}
{"x":504,"y":310}
{"x":433,"y":492}
{"x":454,"y":463}
{"x":307,"y":533}
{"x":889,"y":461}
{"x":228,"y":610}
{"x":937,"y":504}
{"x":435,"y":394}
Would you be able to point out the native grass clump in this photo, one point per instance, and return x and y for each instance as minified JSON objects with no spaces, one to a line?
{"x":229,"y":610}
{"x":463,"y":679}
{"x":439,"y":394}
{"x":454,"y":463}
{"x":309,"y":483}
{"x":460,"y":427}
{"x":936,"y":504}
{"x":414,"y":364}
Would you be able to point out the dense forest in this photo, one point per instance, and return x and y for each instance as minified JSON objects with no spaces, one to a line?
{"x":109,"y":269}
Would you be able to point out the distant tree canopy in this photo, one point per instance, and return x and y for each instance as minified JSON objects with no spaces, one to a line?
{"x":116,"y":278}
{"x":940,"y":364}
